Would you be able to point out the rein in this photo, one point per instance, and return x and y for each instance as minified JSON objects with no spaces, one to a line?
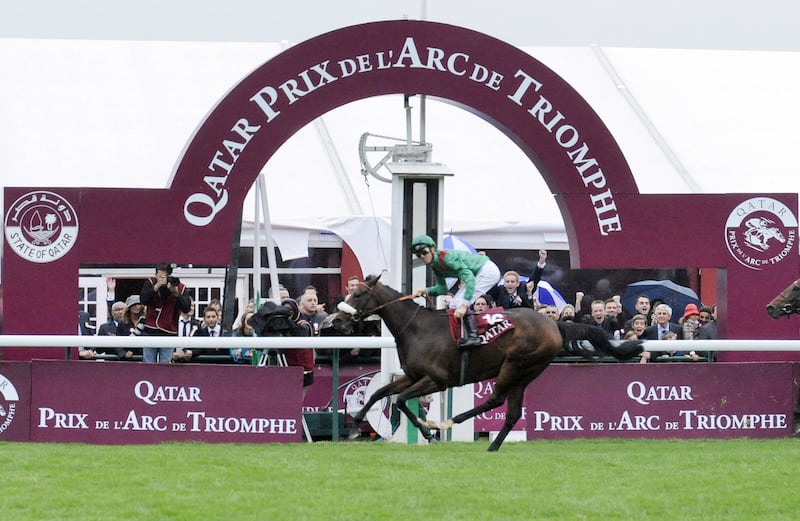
{"x":357,"y":316}
{"x":377,"y":308}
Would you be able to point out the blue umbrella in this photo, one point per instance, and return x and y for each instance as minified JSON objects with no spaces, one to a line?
{"x":454,"y":242}
{"x":674,"y":295}
{"x":547,"y":294}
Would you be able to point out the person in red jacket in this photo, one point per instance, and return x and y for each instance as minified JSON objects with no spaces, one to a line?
{"x":165,"y":297}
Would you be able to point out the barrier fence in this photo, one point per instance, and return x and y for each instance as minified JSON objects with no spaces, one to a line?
{"x":336,"y":342}
{"x":693,"y":392}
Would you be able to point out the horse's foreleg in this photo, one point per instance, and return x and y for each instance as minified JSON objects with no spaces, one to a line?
{"x":389,"y":389}
{"x":513,"y":414}
{"x":419,"y":388}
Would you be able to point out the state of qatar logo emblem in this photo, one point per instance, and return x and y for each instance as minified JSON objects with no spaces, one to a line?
{"x":8,"y":403}
{"x":41,"y":226}
{"x":761,"y":232}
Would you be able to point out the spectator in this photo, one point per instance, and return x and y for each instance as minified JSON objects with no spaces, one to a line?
{"x":188,"y":326}
{"x":239,"y":355}
{"x":641,"y":307}
{"x":708,"y":323}
{"x":689,"y":322}
{"x":134,"y":314}
{"x":511,"y":295}
{"x":250,"y":308}
{"x":536,"y":276}
{"x":567,"y":314}
{"x":302,"y":326}
{"x":613,"y":322}
{"x":662,"y":314}
{"x":638,"y":326}
{"x":482,"y":303}
{"x":691,"y":327}
{"x":111,"y":328}
{"x":165,"y":297}
{"x":478,"y":273}
{"x":131,"y":318}
{"x":551,"y":311}
{"x":211,"y":325}
{"x":310,"y":309}
{"x":597,"y":317}
{"x":350,"y":286}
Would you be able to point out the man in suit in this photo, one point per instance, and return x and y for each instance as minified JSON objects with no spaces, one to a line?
{"x":110,"y":329}
{"x":188,"y":326}
{"x":662,"y":328}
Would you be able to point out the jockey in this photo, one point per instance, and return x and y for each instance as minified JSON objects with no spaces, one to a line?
{"x":476,"y":272}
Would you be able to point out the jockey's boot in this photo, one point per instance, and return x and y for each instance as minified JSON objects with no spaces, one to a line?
{"x":471,"y":330}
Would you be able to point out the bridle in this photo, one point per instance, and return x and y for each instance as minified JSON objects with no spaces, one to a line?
{"x":790,"y":307}
{"x":357,"y":315}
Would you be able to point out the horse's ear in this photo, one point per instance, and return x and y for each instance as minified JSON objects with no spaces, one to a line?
{"x":372,"y":279}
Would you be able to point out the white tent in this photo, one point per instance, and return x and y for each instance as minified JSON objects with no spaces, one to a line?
{"x":118,"y":114}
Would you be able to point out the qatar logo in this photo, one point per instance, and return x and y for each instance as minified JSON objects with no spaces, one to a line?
{"x":41,"y":226}
{"x":8,"y":403}
{"x":761,"y":232}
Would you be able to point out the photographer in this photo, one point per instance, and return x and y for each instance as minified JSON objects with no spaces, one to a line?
{"x":286,"y":320}
{"x":165,"y":298}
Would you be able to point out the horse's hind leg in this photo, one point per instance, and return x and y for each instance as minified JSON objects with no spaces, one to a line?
{"x":495,"y":400}
{"x":513,"y":414}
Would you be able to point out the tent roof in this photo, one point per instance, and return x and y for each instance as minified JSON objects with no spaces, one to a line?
{"x":118,"y":114}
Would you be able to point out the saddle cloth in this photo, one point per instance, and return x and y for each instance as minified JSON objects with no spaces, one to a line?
{"x":492,"y":323}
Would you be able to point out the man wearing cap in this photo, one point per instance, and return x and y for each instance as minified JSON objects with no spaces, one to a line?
{"x":477,"y":273}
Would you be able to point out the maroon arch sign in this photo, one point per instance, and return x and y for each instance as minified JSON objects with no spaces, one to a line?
{"x":50,"y":232}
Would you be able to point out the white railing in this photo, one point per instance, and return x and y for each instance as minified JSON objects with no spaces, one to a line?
{"x":89,"y":341}
{"x":337,"y":342}
{"x":722,"y":345}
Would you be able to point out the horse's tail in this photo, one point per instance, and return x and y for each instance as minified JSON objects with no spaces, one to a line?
{"x":587,"y":340}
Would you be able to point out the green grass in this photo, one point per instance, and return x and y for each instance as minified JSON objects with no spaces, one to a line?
{"x":565,"y":480}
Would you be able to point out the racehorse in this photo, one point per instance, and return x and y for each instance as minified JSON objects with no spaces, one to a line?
{"x":787,"y":301}
{"x":431,"y":360}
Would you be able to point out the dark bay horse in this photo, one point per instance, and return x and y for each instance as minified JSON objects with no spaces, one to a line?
{"x":787,"y":301}
{"x":431,"y":359}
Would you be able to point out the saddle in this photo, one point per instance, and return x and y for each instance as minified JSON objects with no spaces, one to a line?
{"x":492,"y":323}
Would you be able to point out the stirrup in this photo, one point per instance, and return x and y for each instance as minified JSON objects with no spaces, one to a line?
{"x":470,"y":342}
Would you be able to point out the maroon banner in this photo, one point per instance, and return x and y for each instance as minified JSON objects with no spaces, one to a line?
{"x":719,"y":400}
{"x":15,"y":400}
{"x":353,"y":381}
{"x":128,"y":403}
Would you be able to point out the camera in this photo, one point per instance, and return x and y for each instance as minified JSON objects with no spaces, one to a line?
{"x":173,"y":280}
{"x":138,"y":330}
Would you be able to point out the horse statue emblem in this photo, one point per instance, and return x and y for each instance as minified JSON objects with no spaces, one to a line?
{"x":760,"y":231}
{"x":430,"y":358}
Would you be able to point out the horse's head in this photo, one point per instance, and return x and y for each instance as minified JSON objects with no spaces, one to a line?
{"x":356,"y":307}
{"x":787,"y":301}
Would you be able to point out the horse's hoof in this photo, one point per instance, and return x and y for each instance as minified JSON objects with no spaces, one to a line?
{"x":430,"y":424}
{"x":354,"y":435}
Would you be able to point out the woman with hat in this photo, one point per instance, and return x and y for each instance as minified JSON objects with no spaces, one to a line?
{"x":690,"y":322}
{"x":134,"y":313}
{"x":477,"y":273}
